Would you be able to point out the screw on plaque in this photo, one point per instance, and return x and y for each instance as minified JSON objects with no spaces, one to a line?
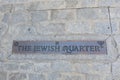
{"x":16,"y":43}
{"x":101,"y":43}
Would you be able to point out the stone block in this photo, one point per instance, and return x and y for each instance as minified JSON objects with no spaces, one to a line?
{"x":42,"y":67}
{"x":92,"y":13}
{"x":51,"y":28}
{"x":38,"y":16}
{"x":93,"y":68}
{"x":19,"y":17}
{"x":93,"y":77}
{"x":108,"y":3}
{"x":36,"y":77}
{"x":3,"y":29}
{"x":115,"y":13}
{"x":19,"y":7}
{"x":63,"y":14}
{"x":115,"y":27}
{"x":45,"y":5}
{"x":102,"y":27}
{"x":71,"y":3}
{"x":81,"y":27}
{"x":17,"y":76}
{"x":11,"y":66}
{"x":73,"y":76}
{"x":117,"y":43}
{"x":27,"y":67}
{"x":5,"y":8}
{"x":26,"y":29}
{"x":88,"y":3}
{"x":6,"y":18}
{"x":62,"y":66}
{"x":54,"y":76}
{"x":3,"y":76}
{"x":116,"y":67}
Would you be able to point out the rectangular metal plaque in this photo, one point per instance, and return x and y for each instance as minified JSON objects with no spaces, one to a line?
{"x":60,"y":47}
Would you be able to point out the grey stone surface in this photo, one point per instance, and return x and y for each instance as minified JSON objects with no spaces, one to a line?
{"x":116,"y":68}
{"x":17,"y":76}
{"x":26,"y":29}
{"x":19,"y":17}
{"x":102,"y":27}
{"x":56,"y":20}
{"x":51,"y":28}
{"x":19,"y":7}
{"x":108,"y":3}
{"x":62,"y":66}
{"x":54,"y":76}
{"x":115,"y":13}
{"x":71,"y":3}
{"x":74,"y":77}
{"x":27,"y":67}
{"x":115,"y":27}
{"x":92,"y":68}
{"x":38,"y":16}
{"x":5,"y":8}
{"x":3,"y":29}
{"x":88,"y":3}
{"x":62,"y":14}
{"x":11,"y":66}
{"x":93,"y":77}
{"x":6,"y":18}
{"x":81,"y":27}
{"x":36,"y":77}
{"x":117,"y":43}
{"x":45,"y":5}
{"x":42,"y":67}
{"x":92,"y":13}
{"x":3,"y":75}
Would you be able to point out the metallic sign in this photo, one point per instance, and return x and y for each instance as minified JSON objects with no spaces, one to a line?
{"x":60,"y":47}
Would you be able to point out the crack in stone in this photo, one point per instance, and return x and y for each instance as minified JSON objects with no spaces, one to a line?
{"x":110,"y":20}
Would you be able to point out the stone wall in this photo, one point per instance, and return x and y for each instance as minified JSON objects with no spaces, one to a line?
{"x":59,"y":20}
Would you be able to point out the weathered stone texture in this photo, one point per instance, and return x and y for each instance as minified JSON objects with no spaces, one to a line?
{"x":47,"y":20}
{"x":3,"y":75}
{"x":36,"y":77}
{"x":62,"y":14}
{"x":93,"y":68}
{"x":92,"y":13}
{"x":38,"y":16}
{"x":17,"y":76}
{"x":62,"y":66}
{"x":51,"y":28}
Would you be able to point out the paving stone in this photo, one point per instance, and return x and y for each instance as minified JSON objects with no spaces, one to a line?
{"x":3,"y":29}
{"x":62,"y":66}
{"x":62,"y":15}
{"x":17,"y":76}
{"x":19,"y":17}
{"x":45,"y":5}
{"x":92,"y":13}
{"x":38,"y":16}
{"x":71,"y":3}
{"x":93,"y":77}
{"x":102,"y":27}
{"x":54,"y":76}
{"x":51,"y":28}
{"x":3,"y":76}
{"x":81,"y":27}
{"x":92,"y":68}
{"x":36,"y":77}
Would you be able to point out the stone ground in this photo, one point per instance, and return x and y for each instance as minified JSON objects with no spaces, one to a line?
{"x":59,"y":20}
